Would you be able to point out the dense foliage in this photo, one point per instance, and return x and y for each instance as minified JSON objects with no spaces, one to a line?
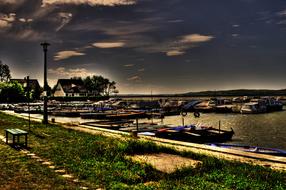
{"x":98,"y":85}
{"x":11,"y":92}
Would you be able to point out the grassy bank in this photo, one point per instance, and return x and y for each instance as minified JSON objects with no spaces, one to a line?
{"x":100,"y":162}
{"x":19,"y":172}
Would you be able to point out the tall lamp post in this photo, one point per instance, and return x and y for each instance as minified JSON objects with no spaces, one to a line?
{"x":45,"y":49}
{"x":27,"y":86}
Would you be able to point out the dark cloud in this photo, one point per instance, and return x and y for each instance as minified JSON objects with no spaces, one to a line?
{"x":144,"y":45}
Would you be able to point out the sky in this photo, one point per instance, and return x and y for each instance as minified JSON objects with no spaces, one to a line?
{"x":158,"y":46}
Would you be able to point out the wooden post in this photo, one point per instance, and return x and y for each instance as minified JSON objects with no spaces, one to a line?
{"x":219,"y":126}
{"x":26,"y":140}
{"x":6,"y":137}
{"x":137,"y":126}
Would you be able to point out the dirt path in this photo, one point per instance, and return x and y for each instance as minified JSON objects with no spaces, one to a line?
{"x":166,"y":163}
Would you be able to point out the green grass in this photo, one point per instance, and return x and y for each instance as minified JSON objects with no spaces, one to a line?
{"x":19,"y":172}
{"x":100,"y":162}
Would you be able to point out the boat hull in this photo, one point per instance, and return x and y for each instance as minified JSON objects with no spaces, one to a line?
{"x":198,"y":136}
{"x":253,"y":149}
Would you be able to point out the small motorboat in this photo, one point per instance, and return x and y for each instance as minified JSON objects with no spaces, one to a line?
{"x":142,"y":127}
{"x":196,"y":134}
{"x":94,"y":115}
{"x":126,"y":115}
{"x":253,"y":107}
{"x":254,"y":149}
{"x":107,"y":124}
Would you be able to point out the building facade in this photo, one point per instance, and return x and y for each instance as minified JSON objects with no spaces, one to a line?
{"x":70,"y":88}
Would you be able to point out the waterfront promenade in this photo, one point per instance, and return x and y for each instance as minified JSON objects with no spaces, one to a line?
{"x":72,"y":156}
{"x":273,"y":162}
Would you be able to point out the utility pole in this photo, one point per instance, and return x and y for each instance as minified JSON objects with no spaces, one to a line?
{"x":45,"y":49}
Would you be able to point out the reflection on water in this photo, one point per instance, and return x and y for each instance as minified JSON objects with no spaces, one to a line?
{"x":266,"y":130}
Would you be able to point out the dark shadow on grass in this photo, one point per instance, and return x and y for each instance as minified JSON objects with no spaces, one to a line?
{"x":19,"y":146}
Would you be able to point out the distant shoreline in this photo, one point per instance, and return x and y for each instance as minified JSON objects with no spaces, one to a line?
{"x":223,"y":93}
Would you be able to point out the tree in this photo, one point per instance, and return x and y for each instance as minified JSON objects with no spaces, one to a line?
{"x":11,"y":92}
{"x":115,"y":92}
{"x":98,"y":85}
{"x":111,"y":88}
{"x":76,"y":78}
{"x":5,"y":75}
{"x":35,"y":94}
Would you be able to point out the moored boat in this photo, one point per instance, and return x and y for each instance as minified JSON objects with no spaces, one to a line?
{"x":143,"y":127}
{"x":203,"y":107}
{"x":224,"y":108}
{"x":67,"y":113}
{"x":107,"y":124}
{"x":195,"y":134}
{"x":190,"y":105}
{"x":253,"y":107}
{"x":94,"y":115}
{"x":273,"y":104}
{"x":253,"y":149}
{"x":126,"y":115}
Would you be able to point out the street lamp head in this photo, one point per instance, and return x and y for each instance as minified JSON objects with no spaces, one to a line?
{"x":45,"y":46}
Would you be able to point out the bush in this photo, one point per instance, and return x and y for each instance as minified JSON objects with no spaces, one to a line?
{"x":11,"y":92}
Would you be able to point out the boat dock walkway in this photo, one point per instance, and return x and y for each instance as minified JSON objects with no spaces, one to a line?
{"x":274,"y":162}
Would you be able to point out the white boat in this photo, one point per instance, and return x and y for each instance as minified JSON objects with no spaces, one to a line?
{"x":253,"y":107}
{"x":253,"y":149}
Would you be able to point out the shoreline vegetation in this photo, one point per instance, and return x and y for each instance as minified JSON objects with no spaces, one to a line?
{"x":102,"y":162}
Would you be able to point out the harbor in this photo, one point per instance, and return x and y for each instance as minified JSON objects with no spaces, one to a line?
{"x":68,"y":153}
{"x":262,"y":130}
{"x":140,"y":94}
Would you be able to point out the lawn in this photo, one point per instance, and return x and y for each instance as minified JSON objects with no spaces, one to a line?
{"x":101,"y":162}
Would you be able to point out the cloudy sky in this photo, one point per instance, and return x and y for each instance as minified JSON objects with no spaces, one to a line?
{"x":163,"y":46}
